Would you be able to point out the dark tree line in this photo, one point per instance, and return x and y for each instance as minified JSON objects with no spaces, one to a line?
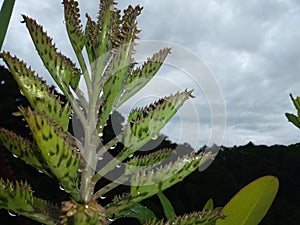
{"x":232,"y":169}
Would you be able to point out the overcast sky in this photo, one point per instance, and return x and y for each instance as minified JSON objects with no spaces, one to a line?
{"x":251,"y":47}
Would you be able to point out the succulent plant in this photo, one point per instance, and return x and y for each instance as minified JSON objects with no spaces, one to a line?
{"x":104,"y":50}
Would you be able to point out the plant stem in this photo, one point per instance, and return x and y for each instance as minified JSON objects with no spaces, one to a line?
{"x":110,"y":186}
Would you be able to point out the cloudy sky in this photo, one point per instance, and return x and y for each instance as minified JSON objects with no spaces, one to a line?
{"x":251,"y":49}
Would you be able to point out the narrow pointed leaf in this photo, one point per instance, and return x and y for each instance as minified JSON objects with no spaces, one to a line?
{"x":90,"y":31}
{"x":293,"y":119}
{"x":250,"y":204}
{"x":140,"y":163}
{"x":144,"y":184}
{"x":23,"y":149}
{"x":141,"y":76}
{"x":61,"y":68}
{"x":146,"y":122}
{"x":5,"y":14}
{"x":115,"y":75}
{"x":17,"y":197}
{"x":38,"y":93}
{"x":73,"y":24}
{"x":104,"y":23}
{"x":196,"y":218}
{"x":56,"y":148}
{"x":167,"y":206}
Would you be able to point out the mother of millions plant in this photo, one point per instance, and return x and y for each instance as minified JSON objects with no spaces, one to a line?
{"x":111,"y":78}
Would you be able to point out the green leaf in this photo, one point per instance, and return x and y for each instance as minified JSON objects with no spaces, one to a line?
{"x":293,"y":119}
{"x":209,"y":205}
{"x":200,"y":218}
{"x":56,"y":148}
{"x":23,"y":149}
{"x":139,"y":163}
{"x":146,"y":122}
{"x":38,"y":93}
{"x":167,"y":206}
{"x":140,"y":212}
{"x":5,"y":14}
{"x":73,"y":24}
{"x":147,"y":183}
{"x":141,"y":76}
{"x":90,"y":30}
{"x":17,"y":197}
{"x":61,"y":68}
{"x":115,"y":71}
{"x":250,"y":204}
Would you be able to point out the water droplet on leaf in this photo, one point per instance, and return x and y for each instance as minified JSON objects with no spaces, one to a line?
{"x":118,"y":166}
{"x":61,"y":188}
{"x":111,"y":218}
{"x":102,"y":197}
{"x":15,"y":156}
{"x":154,"y":136}
{"x":11,"y":213}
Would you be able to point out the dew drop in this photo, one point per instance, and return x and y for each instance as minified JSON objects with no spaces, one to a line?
{"x":22,"y":92}
{"x":111,"y":218}
{"x":131,"y":156}
{"x":154,"y":136}
{"x":101,"y":134}
{"x":118,"y":166}
{"x":11,"y":213}
{"x":79,"y":170}
{"x":2,"y":82}
{"x":102,"y":197}
{"x":40,"y":171}
{"x":15,"y":156}
{"x":61,"y":188}
{"x":113,"y":147}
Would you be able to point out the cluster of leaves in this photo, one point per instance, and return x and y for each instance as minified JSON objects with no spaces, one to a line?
{"x":111,"y":77}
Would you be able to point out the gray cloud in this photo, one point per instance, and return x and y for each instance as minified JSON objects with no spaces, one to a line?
{"x":252,"y":48}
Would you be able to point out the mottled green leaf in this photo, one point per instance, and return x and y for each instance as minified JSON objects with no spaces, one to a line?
{"x":23,"y":149}
{"x":104,"y":23}
{"x":18,"y":198}
{"x":146,"y":122}
{"x":73,"y":24}
{"x":56,"y":148}
{"x":140,"y":163}
{"x":146,"y":183}
{"x":61,"y":68}
{"x":250,"y":204}
{"x":38,"y":93}
{"x":142,"y":75}
{"x":90,"y":30}
{"x":196,"y":218}
{"x":167,"y":206}
{"x":116,"y":71}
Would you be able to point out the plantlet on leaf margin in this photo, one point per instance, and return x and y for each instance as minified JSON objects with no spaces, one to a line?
{"x":111,"y":78}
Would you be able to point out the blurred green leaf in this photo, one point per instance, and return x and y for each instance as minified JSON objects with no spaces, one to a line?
{"x":140,"y":212}
{"x":209,"y":205}
{"x":5,"y":14}
{"x":250,"y":204}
